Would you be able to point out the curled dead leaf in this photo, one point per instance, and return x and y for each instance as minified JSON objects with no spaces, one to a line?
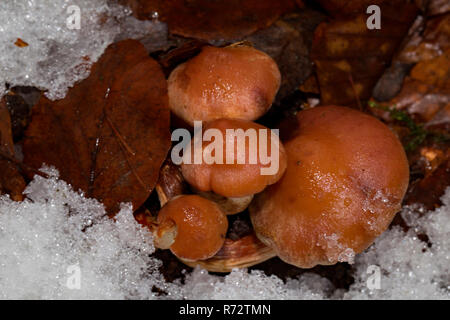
{"x":427,"y":41}
{"x":242,"y":253}
{"x":170,"y":183}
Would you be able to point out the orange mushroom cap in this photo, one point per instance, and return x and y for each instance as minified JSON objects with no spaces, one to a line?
{"x":200,"y":226}
{"x":235,"y":179}
{"x":232,"y":82}
{"x":346,"y":176}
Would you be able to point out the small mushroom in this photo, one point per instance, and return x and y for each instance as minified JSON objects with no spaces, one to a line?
{"x":231,"y":82}
{"x":239,"y":176}
{"x":193,"y":227}
{"x":346,"y":176}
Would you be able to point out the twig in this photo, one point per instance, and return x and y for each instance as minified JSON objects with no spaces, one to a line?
{"x":125,"y":147}
{"x":22,"y":166}
{"x":354,"y":91}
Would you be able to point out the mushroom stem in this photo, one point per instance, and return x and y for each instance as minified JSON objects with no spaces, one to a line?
{"x":242,"y":253}
{"x":229,"y":205}
{"x":165,"y":234}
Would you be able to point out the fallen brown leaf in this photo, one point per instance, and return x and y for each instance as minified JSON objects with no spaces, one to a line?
{"x":11,"y":181}
{"x":429,"y":41}
{"x":212,"y":20}
{"x":20,"y":43}
{"x":350,"y":58}
{"x":288,"y":41}
{"x":426,"y":92}
{"x":430,"y":189}
{"x":435,"y":7}
{"x":339,"y":8}
{"x":110,"y":135}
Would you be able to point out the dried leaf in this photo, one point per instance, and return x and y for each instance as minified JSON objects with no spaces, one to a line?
{"x":436,"y":7}
{"x":20,"y":43}
{"x":110,"y":135}
{"x":429,"y":40}
{"x":350,"y":58}
{"x":426,"y":91}
{"x":429,"y":190}
{"x":11,"y":181}
{"x":212,"y":20}
{"x":170,"y":183}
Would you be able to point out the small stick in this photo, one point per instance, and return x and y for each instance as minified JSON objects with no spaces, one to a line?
{"x":118,"y":135}
{"x":354,"y":91}
{"x":22,"y":165}
{"x":124,"y":145}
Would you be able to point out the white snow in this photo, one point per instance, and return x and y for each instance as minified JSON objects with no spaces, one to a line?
{"x":410,"y":269}
{"x":242,"y":285}
{"x":42,"y":238}
{"x":57,"y":55}
{"x":56,"y":229}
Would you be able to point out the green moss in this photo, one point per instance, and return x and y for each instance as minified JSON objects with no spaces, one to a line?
{"x":417,"y":133}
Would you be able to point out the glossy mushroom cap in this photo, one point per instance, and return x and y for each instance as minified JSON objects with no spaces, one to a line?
{"x":238,"y":179}
{"x":232,"y":82}
{"x":196,"y":225}
{"x":346,"y":177}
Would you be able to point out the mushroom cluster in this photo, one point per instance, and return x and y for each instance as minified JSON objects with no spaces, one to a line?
{"x":339,"y":178}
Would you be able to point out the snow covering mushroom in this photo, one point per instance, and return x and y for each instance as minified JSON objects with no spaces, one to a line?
{"x":346,"y":176}
{"x":193,"y":227}
{"x":247,"y":158}
{"x":231,"y":82}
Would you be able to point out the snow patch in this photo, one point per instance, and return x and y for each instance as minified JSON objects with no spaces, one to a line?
{"x":56,"y":229}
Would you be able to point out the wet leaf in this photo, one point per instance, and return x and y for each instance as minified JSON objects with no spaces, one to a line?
{"x":11,"y":180}
{"x":435,"y":7}
{"x":426,"y":91}
{"x":212,"y":20}
{"x":110,"y":135}
{"x":350,"y":58}
{"x":427,"y":41}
